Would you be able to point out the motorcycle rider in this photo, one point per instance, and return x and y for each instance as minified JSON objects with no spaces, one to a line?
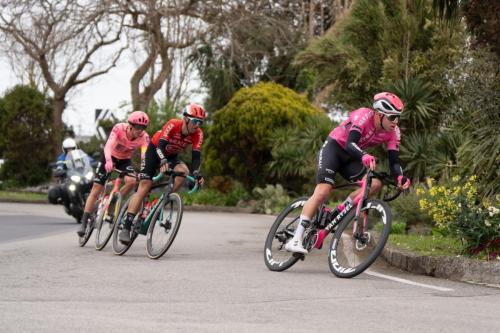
{"x":57,"y":194}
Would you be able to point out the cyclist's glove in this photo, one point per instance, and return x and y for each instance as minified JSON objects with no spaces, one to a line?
{"x":199,"y":177}
{"x":163,"y":161}
{"x":403,"y":182}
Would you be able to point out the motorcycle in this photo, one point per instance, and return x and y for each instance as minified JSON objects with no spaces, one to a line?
{"x":74,"y":183}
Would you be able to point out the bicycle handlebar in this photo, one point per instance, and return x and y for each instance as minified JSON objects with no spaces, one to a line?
{"x":390,"y":182}
{"x":179,"y":174}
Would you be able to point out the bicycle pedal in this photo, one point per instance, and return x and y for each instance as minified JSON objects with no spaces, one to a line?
{"x":300,"y":256}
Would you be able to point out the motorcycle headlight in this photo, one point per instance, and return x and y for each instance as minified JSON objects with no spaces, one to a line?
{"x":76,"y":178}
{"x":72,"y":187}
{"x":89,"y":175}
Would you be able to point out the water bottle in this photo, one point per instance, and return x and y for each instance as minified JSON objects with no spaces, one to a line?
{"x":145,"y":210}
{"x":324,"y":219}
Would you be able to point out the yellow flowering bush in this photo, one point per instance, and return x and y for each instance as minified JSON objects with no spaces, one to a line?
{"x":456,"y":208}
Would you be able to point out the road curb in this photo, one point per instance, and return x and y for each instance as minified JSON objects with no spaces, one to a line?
{"x":451,"y":268}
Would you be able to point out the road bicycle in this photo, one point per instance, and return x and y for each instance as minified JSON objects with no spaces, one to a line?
{"x":159,"y":218}
{"x":102,"y":217}
{"x":108,"y":211}
{"x":360,"y":230}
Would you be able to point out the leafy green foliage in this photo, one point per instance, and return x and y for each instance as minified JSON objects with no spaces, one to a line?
{"x":380,"y":42}
{"x":455,"y":208}
{"x":294,"y":151}
{"x":476,"y":115}
{"x":406,"y":210}
{"x":214,"y":197}
{"x":25,"y":136}
{"x":270,"y":199}
{"x":239,"y":138}
{"x":420,"y":111}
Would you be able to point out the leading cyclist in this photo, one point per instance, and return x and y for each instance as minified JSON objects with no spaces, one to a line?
{"x":343,"y":152}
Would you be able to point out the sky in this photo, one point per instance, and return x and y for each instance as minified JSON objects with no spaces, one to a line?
{"x":105,"y":92}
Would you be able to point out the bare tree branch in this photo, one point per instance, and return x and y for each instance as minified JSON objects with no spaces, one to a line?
{"x":66,"y":39}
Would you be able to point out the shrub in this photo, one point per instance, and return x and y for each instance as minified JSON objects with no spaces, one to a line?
{"x":270,"y":199}
{"x":406,"y":209}
{"x":455,"y":208}
{"x":214,"y":197}
{"x":25,"y":136}
{"x":238,"y":140}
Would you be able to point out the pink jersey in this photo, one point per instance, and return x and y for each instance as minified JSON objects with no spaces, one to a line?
{"x":363,"y":120}
{"x":121,"y":147}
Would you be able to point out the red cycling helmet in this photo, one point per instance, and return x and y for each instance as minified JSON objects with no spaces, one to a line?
{"x":138,"y":118}
{"x":388,"y":103}
{"x":194,"y":111}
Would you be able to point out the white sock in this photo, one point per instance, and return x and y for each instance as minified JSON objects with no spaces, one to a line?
{"x":299,"y":232}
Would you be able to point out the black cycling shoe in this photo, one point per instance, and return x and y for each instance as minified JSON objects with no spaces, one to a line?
{"x":124,"y":236}
{"x":83,"y":227}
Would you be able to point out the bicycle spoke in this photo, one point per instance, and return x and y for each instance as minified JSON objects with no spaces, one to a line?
{"x":355,"y":247}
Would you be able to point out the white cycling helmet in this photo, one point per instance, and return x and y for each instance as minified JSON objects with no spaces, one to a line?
{"x":388,"y":104}
{"x":68,"y":143}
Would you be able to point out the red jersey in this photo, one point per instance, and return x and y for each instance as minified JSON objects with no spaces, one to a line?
{"x":172,"y":132}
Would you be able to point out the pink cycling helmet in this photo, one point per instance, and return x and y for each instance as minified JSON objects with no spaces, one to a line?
{"x":388,"y":103}
{"x":194,"y":111}
{"x":138,"y":118}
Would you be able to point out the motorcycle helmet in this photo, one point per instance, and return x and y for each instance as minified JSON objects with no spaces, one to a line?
{"x":68,"y":144}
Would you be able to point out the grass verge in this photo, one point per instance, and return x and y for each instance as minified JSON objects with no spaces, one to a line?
{"x":434,"y":245}
{"x":23,"y":196}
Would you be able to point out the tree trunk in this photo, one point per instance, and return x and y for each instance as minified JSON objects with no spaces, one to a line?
{"x":58,"y":105}
{"x":312,"y":11}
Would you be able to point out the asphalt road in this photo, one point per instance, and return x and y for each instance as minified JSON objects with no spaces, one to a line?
{"x":213,"y":279}
{"x":25,"y":221}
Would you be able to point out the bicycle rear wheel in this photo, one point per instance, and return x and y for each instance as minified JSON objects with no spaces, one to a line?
{"x":118,"y":247}
{"x":105,"y":222}
{"x":350,"y":254}
{"x":164,"y":226}
{"x":275,"y":256}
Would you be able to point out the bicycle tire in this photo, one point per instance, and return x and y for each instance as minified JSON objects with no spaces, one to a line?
{"x":348,"y":257}
{"x":119,"y":248}
{"x":161,"y":225}
{"x":277,"y":259}
{"x":88,"y":233}
{"x":101,"y":242}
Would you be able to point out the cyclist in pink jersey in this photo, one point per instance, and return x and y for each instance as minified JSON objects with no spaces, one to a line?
{"x":122,"y":142}
{"x":343,"y":153}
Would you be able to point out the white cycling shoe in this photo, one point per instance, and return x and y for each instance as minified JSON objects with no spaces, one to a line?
{"x":295,"y":246}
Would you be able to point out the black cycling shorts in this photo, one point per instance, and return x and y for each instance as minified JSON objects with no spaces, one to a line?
{"x":102,"y":176}
{"x":332,"y":158}
{"x":151,"y":163}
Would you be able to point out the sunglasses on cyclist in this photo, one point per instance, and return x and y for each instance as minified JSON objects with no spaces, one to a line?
{"x":393,"y":117}
{"x":196,"y":121}
{"x":138,"y":127}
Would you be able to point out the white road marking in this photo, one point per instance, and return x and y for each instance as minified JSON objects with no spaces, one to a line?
{"x":388,"y":277}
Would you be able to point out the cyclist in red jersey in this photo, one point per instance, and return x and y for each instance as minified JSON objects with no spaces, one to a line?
{"x":343,"y":152}
{"x":161,"y":154}
{"x":122,"y":142}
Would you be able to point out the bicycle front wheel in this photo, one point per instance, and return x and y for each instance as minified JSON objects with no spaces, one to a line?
{"x":164,"y":226}
{"x":118,"y":247}
{"x":275,"y":256}
{"x":352,"y":249}
{"x":106,"y":221}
